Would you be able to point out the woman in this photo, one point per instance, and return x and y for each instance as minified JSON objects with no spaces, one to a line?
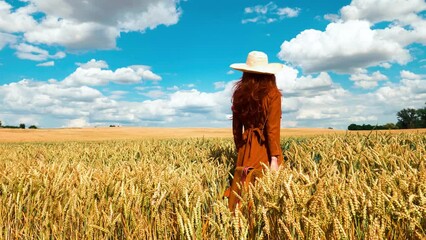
{"x":256,"y":108}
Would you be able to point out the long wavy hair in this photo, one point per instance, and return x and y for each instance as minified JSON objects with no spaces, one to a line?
{"x":248,"y":95}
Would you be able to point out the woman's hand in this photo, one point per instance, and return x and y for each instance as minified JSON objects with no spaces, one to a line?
{"x":274,"y":163}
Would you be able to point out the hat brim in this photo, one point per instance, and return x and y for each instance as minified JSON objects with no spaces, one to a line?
{"x":271,"y":68}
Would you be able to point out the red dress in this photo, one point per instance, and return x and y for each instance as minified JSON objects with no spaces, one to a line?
{"x":258,"y":144}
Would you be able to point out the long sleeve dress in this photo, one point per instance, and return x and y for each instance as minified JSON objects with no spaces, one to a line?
{"x":258,"y":144}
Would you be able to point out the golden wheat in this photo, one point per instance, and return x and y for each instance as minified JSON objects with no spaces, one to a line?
{"x":332,"y":187}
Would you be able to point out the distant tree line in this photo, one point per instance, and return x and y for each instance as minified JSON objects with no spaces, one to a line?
{"x":21,"y":126}
{"x":355,"y":127}
{"x":408,"y":118}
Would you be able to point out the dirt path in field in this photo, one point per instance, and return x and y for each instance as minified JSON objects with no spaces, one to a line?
{"x":116,"y":133}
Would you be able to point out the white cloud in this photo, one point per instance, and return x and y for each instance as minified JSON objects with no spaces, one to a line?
{"x":30,"y":52}
{"x":332,"y":17}
{"x":72,"y":34}
{"x":84,"y":25}
{"x":251,"y":20}
{"x":288,"y":12}
{"x":39,"y":97}
{"x":77,"y":123}
{"x":6,"y":39}
{"x":306,"y":86}
{"x":93,"y":63}
{"x":154,"y":94}
{"x":268,"y":13}
{"x":230,"y":72}
{"x":17,"y":21}
{"x":354,"y":39}
{"x":174,"y":88}
{"x":385,"y":65}
{"x":157,"y":13}
{"x":117,"y":94}
{"x":260,"y":9}
{"x":410,"y":75}
{"x":409,"y":92}
{"x":405,"y":35}
{"x":145,"y":72}
{"x":363,"y":80}
{"x":219,"y":85}
{"x":57,"y":105}
{"x":317,"y":101}
{"x":46,"y":64}
{"x":127,"y":15}
{"x":382,"y":10}
{"x":366,"y":84}
{"x":342,"y":47}
{"x":308,"y":101}
{"x":192,"y":99}
{"x":95,"y":73}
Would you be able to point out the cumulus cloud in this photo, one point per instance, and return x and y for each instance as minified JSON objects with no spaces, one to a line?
{"x":155,"y":94}
{"x":16,"y":21}
{"x":6,"y":39}
{"x":30,"y":52}
{"x":409,"y":92}
{"x":409,"y":75}
{"x":127,"y":15}
{"x":29,"y":96}
{"x":338,"y":108}
{"x":342,"y":47}
{"x":83,"y":25}
{"x":405,"y":35}
{"x":312,"y":100}
{"x":117,"y":94}
{"x":363,"y":80}
{"x":382,"y":10}
{"x":268,"y":13}
{"x":192,"y":101}
{"x":72,"y":34}
{"x":80,"y":106}
{"x":354,"y":41}
{"x":77,"y":123}
{"x":291,"y":85}
{"x":95,"y":73}
{"x":385,"y":65}
{"x":331,"y":17}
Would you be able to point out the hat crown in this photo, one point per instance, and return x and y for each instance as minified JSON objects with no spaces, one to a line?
{"x":256,"y":58}
{"x":257,"y":62}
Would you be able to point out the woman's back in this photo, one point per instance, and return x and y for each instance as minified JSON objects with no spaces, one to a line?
{"x":256,"y":120}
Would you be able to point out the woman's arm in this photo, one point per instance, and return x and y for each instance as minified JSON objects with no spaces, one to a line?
{"x":273,"y":126}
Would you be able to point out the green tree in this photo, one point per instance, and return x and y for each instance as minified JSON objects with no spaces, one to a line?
{"x":0,"y":124}
{"x":421,"y":116}
{"x":407,"y":118}
{"x":390,"y":126}
{"x":353,"y":126}
{"x":22,"y":125}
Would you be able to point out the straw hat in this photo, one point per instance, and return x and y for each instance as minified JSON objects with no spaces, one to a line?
{"x":257,"y":62}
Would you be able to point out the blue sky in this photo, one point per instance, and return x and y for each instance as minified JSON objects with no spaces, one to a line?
{"x":68,"y":63}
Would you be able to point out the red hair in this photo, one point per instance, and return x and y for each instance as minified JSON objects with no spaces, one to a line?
{"x":248,"y":96}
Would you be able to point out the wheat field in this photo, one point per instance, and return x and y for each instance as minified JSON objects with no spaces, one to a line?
{"x":136,"y":133}
{"x":336,"y":186}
